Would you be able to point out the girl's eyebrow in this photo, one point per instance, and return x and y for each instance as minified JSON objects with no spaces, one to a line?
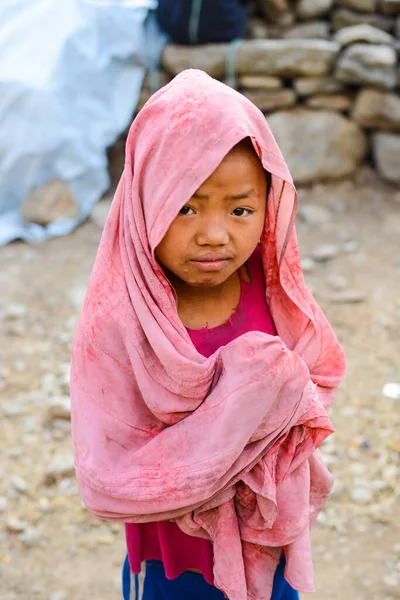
{"x":241,"y":196}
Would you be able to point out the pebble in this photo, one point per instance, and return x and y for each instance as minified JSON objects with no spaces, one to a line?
{"x":30,"y":537}
{"x":390,"y":580}
{"x":3,"y":503}
{"x":44,"y":505}
{"x":14,"y":452}
{"x":350,"y":246}
{"x":308,"y":264}
{"x":325,"y":252}
{"x":337,"y":281}
{"x":10,"y":410}
{"x":60,"y":408}
{"x":19,"y":484}
{"x":16,"y":525}
{"x":314,"y":214}
{"x":61,"y":464}
{"x":60,"y":595}
{"x":15,"y":310}
{"x":391,"y":390}
{"x":106,"y":539}
{"x":361,"y":495}
{"x":348,"y":297}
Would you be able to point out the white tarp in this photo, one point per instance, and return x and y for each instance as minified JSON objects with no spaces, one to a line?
{"x":70,"y":76}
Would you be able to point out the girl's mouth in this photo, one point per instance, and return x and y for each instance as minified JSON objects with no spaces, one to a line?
{"x":211,"y":262}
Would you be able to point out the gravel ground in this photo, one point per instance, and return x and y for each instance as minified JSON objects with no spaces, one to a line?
{"x":51,"y":548}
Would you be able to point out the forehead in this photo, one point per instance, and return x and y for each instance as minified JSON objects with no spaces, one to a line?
{"x":241,"y":166}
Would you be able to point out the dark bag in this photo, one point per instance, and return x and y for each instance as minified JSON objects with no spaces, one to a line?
{"x":202,"y":21}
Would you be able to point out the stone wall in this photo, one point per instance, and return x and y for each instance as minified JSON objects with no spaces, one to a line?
{"x":325,"y":73}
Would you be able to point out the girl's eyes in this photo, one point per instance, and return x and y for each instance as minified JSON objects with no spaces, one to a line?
{"x":242,"y":212}
{"x":238,"y":212}
{"x":185,"y":210}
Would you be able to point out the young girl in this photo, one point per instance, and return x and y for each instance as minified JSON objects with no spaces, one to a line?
{"x":202,"y":366}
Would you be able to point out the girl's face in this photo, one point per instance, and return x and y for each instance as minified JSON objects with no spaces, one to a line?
{"x":217,"y":230}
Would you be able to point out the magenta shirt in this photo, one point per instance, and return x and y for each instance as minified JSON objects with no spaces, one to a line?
{"x":164,"y":541}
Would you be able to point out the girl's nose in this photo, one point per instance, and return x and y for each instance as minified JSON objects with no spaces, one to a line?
{"x":213,"y":233}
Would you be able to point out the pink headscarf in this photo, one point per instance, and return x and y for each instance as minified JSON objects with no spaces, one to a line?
{"x":224,"y":445}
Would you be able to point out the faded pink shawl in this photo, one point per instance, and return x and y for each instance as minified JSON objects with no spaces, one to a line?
{"x":224,"y":445}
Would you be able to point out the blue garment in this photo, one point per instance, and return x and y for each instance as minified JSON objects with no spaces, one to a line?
{"x":202,"y":21}
{"x":191,"y":586}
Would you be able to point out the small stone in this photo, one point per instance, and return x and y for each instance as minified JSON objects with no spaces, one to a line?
{"x":60,"y":595}
{"x":348,"y":297}
{"x":19,"y":484}
{"x":362,"y":33}
{"x":15,"y":311}
{"x":390,"y":580}
{"x":30,"y":537}
{"x":50,"y":202}
{"x":339,"y":102}
{"x":61,"y":465}
{"x":307,"y":265}
{"x":15,"y":452}
{"x":337,"y":281}
{"x":325,"y":252}
{"x":106,"y":539}
{"x":350,"y":246}
{"x":60,"y":408}
{"x":15,"y":525}
{"x":44,"y":505}
{"x":391,"y":390}
{"x":361,"y":495}
{"x":260,"y":82}
{"x":99,"y":212}
{"x":11,"y":410}
{"x":77,"y":295}
{"x":313,"y":214}
{"x":3,"y":503}
{"x":368,"y":64}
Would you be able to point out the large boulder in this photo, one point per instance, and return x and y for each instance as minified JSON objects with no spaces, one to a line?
{"x":317,"y":30}
{"x":362,"y":33}
{"x":318,"y":145}
{"x":260,"y":82}
{"x":270,"y":100}
{"x":339,"y":102}
{"x":363,"y":6}
{"x":312,"y":9}
{"x":368,"y":64}
{"x":386,"y":148}
{"x":389,"y":7}
{"x":282,"y":58}
{"x":343,"y":17}
{"x":378,"y":110}
{"x":52,"y":201}
{"x":306,"y":86}
{"x":277,"y":11}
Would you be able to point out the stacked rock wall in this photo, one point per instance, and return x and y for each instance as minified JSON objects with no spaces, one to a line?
{"x":325,"y":73}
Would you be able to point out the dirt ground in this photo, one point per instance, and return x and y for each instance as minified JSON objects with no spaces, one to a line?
{"x":51,"y":548}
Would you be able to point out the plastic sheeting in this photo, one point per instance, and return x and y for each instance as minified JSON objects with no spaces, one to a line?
{"x":70,"y":77}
